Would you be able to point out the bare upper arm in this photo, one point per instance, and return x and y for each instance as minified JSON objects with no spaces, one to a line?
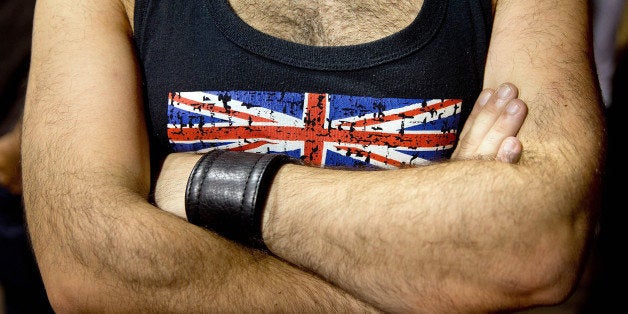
{"x":83,"y":110}
{"x":544,"y":48}
{"x":84,"y":143}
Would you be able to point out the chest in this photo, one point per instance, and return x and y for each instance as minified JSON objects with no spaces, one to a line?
{"x":328,"y":22}
{"x":215,"y":81}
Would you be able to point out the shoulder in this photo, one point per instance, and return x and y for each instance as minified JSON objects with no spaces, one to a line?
{"x":102,"y":8}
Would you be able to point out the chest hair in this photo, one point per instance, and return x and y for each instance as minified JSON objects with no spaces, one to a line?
{"x":328,"y":22}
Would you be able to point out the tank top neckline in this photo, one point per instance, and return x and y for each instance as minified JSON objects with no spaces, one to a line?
{"x":331,"y":58}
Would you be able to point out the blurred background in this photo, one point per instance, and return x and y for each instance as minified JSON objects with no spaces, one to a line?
{"x":21,"y":289}
{"x":601,"y":288}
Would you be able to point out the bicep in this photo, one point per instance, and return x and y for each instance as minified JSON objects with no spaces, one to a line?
{"x":540,"y":38}
{"x":543,"y":47}
{"x":83,"y":112}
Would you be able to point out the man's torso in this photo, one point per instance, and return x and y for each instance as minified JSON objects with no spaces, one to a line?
{"x":367,"y":83}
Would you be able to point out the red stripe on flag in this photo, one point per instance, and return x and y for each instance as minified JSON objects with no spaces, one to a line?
{"x":316,"y":114}
{"x":287,"y":133}
{"x":255,"y":145}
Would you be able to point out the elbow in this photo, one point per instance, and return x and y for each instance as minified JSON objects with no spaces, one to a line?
{"x":68,"y":293}
{"x":64,"y":298}
{"x":551,"y":271}
{"x":78,"y":295}
{"x":557,"y":240}
{"x":551,"y":283}
{"x":63,"y":303}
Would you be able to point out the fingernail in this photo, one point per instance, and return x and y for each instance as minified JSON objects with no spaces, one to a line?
{"x":513,"y":107}
{"x":509,"y":145}
{"x":507,"y":152}
{"x":504,"y":91}
{"x":484,"y":97}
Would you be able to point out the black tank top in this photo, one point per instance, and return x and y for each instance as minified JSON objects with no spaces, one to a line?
{"x":213,"y":82}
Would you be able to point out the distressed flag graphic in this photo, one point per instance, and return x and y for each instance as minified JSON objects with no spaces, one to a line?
{"x":321,"y":129}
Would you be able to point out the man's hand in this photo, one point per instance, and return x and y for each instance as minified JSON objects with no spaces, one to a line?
{"x":492,"y":127}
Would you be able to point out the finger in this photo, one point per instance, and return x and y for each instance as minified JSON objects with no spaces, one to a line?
{"x":508,"y":124}
{"x":482,"y":100}
{"x":510,"y":150}
{"x":484,"y":121}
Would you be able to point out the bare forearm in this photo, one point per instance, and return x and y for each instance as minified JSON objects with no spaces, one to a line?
{"x":472,"y":237}
{"x":121,"y":254}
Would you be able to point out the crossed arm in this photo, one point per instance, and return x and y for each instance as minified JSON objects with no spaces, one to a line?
{"x":502,"y":236}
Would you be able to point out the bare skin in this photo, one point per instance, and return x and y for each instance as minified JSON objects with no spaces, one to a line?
{"x":492,"y":126}
{"x":328,"y":22}
{"x":505,"y":236}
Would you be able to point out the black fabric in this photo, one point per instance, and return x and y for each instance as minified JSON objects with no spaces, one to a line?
{"x":354,"y":57}
{"x":227,"y":191}
{"x":203,"y":45}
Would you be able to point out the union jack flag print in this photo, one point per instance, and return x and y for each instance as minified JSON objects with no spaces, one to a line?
{"x":321,"y":129}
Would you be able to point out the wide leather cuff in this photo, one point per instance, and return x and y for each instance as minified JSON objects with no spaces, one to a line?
{"x":226,"y":193}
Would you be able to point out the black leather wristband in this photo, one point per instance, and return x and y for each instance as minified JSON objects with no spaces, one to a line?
{"x":226,"y":193}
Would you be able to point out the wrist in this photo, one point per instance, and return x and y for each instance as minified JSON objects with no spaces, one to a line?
{"x":276,"y":197}
{"x":227,"y":193}
{"x":172,"y":180}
